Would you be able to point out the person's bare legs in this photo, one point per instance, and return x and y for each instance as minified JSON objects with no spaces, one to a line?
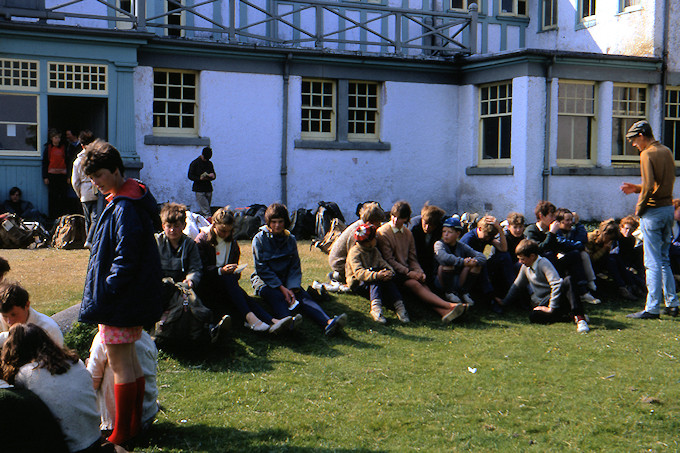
{"x":423,"y":293}
{"x":127,"y":374}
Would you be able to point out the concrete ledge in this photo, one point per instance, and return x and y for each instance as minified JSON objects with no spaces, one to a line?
{"x":181,"y":141}
{"x":66,"y":318}
{"x":352,"y":146}
{"x":490,"y":171}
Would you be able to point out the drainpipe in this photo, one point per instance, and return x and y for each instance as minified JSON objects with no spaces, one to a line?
{"x":545,"y":192}
{"x":664,"y":68}
{"x":284,"y":131}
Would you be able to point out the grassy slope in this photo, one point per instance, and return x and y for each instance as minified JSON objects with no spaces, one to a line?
{"x":395,"y":388}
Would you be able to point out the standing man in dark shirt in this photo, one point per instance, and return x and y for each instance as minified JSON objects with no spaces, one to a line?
{"x":655,"y":208}
{"x":202,"y":172}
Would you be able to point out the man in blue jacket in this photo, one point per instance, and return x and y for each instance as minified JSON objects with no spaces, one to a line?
{"x":123,"y":283}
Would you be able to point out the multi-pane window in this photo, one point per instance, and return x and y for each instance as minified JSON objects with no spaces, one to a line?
{"x":77,"y":78}
{"x":362,"y":109}
{"x":22,"y":74}
{"x":586,"y":9}
{"x":548,"y":14}
{"x":630,"y":105}
{"x":175,"y":18}
{"x":125,"y":6}
{"x":629,"y":4}
{"x":514,"y":7}
{"x":18,"y":124}
{"x":575,"y":121}
{"x":495,"y":120}
{"x":459,"y":4}
{"x":672,"y":120}
{"x":318,"y":109}
{"x":175,"y":102}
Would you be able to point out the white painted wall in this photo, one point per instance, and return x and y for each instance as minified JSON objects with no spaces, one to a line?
{"x":241,"y":114}
{"x":418,"y":120}
{"x":630,"y":33}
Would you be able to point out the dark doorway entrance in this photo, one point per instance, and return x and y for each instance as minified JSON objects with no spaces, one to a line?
{"x":77,"y":114}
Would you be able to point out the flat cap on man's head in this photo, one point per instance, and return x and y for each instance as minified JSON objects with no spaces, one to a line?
{"x":641,"y":127}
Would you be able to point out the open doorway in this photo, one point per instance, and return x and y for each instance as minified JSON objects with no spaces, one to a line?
{"x":77,"y":114}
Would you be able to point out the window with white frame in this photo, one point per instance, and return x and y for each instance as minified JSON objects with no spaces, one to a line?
{"x":459,"y":4}
{"x":575,"y":122}
{"x":175,"y":102}
{"x":628,"y":5}
{"x":125,"y":6}
{"x":340,"y":110}
{"x":362,"y":109}
{"x":77,"y":78}
{"x":586,"y":10}
{"x":19,"y":74}
{"x":495,"y":122}
{"x":548,"y":14}
{"x":630,"y":105}
{"x":513,"y":7}
{"x":672,"y":121}
{"x":18,"y":124}
{"x":318,"y":109}
{"x":176,"y":17}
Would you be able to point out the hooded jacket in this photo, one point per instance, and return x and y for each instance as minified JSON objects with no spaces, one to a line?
{"x":123,"y":283}
{"x":276,"y":260}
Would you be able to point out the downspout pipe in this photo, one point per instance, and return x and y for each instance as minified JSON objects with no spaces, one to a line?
{"x":545,"y":192}
{"x":664,"y":68}
{"x":284,"y":131}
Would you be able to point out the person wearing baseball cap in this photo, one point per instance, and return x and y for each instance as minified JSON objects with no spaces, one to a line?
{"x":655,"y":208}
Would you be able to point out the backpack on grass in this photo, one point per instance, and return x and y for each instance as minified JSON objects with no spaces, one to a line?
{"x":13,"y":233}
{"x":70,"y":232}
{"x":302,"y":224}
{"x":325,"y":214}
{"x":185,"y":320}
{"x":334,"y":231}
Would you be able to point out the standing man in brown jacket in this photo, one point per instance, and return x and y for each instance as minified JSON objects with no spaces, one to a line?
{"x":655,"y":208}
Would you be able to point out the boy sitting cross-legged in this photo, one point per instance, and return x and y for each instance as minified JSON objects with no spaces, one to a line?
{"x":459,"y":264}
{"x":367,"y":271}
{"x":553,"y":298}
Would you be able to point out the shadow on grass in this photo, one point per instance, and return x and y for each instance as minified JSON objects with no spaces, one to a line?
{"x":163,"y":436}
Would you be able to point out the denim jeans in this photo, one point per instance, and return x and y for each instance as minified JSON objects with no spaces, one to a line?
{"x":657,"y":225}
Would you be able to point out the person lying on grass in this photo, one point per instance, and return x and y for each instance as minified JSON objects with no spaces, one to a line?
{"x":553,"y":299}
{"x":369,"y":274}
{"x":278,"y":273}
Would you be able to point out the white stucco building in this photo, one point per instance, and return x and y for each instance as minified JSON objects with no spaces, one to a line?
{"x":485,"y":107}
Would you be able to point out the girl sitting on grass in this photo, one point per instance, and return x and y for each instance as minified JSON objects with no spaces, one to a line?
{"x":31,"y":360}
{"x":219,"y":286}
{"x":278,"y":272}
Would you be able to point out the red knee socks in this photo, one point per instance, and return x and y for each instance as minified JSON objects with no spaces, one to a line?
{"x":125,"y":396}
{"x":138,"y":410}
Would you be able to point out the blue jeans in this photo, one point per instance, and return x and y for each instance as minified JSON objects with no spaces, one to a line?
{"x":657,"y":225}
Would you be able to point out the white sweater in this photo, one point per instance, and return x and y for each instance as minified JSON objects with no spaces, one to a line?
{"x":99,"y":368}
{"x":70,"y":397}
{"x":46,"y":323}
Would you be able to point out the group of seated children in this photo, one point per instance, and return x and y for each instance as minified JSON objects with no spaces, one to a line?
{"x":210,"y":265}
{"x":552,"y":264}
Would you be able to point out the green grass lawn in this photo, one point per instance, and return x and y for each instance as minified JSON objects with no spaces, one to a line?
{"x":411,"y":387}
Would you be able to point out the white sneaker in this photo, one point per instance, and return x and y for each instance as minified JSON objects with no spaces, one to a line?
{"x":582,"y":326}
{"x":468,"y":300}
{"x":377,"y":314}
{"x":402,"y":314}
{"x":451,"y":297}
{"x":590,"y":299}
{"x":317,"y":285}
